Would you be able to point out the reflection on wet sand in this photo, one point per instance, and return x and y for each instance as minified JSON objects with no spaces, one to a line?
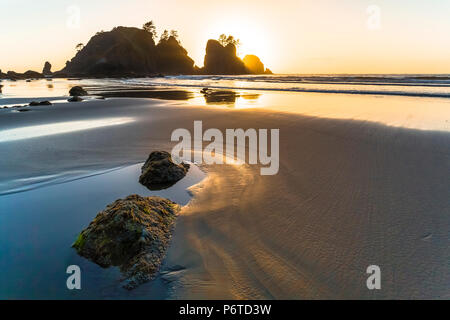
{"x":164,"y":94}
{"x":227,"y":97}
{"x":29,"y":132}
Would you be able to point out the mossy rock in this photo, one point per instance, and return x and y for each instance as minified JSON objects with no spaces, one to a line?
{"x":131,"y":233}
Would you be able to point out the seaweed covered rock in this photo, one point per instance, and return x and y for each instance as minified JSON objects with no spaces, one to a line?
{"x":159,"y":171}
{"x":131,"y":233}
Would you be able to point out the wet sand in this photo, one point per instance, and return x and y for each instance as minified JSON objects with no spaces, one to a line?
{"x":348,"y":194}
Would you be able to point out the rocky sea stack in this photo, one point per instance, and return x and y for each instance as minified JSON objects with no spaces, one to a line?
{"x":159,"y":171}
{"x":134,"y":52}
{"x":131,"y":233}
{"x":47,"y":70}
{"x":126,"y":51}
{"x":254,"y":65}
{"x":220,"y":59}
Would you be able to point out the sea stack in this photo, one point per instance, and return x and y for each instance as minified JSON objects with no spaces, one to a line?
{"x":47,"y":70}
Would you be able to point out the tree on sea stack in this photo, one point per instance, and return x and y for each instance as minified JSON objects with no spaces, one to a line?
{"x":174,"y":34}
{"x":150,"y":28}
{"x":225,"y":40}
{"x":79,"y":47}
{"x":164,"y":36}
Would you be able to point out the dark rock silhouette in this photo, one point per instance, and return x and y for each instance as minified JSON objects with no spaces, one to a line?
{"x":173,"y":58}
{"x":132,"y":52}
{"x":40,"y":103}
{"x":21,"y":76}
{"x":47,"y":70}
{"x":14,"y":75}
{"x":222,"y":60}
{"x":159,"y":171}
{"x":77,"y":91}
{"x":253,"y":64}
{"x":121,"y":51}
{"x":131,"y":233}
{"x":127,"y":51}
{"x":32,"y":74}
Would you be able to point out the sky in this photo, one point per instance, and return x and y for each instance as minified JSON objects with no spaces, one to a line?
{"x":290,"y":36}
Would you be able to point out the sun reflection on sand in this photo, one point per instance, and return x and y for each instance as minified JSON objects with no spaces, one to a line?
{"x":59,"y":128}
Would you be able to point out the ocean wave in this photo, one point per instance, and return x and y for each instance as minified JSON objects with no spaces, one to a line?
{"x":401,"y":85}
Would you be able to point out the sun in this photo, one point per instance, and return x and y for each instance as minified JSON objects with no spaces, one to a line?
{"x":252,"y":36}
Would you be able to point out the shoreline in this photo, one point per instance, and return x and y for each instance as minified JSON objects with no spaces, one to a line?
{"x":349,"y":193}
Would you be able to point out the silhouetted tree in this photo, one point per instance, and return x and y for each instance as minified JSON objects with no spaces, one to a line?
{"x":224,"y":40}
{"x":164,"y":36}
{"x":150,"y":28}
{"x":174,"y":33}
{"x":79,"y":47}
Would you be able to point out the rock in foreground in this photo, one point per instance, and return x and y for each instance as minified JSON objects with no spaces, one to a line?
{"x":131,"y":233}
{"x":159,"y":171}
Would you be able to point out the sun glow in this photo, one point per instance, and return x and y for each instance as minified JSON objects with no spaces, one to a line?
{"x":252,"y":36}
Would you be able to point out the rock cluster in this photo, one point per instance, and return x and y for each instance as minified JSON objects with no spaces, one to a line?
{"x":134,"y":233}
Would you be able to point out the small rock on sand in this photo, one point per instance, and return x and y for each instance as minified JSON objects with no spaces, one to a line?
{"x":159,"y":171}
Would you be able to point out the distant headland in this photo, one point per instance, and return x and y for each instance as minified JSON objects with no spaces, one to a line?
{"x":134,"y":52}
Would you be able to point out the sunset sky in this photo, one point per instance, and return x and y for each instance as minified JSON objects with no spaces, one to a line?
{"x":298,"y":36}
